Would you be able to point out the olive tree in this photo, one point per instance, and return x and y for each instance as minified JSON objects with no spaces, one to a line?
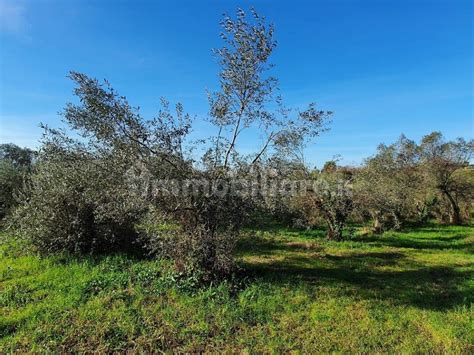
{"x":248,"y":96}
{"x":81,"y":198}
{"x":388,"y":185}
{"x":444,"y":164}
{"x":329,"y":198}
{"x":119,"y":177}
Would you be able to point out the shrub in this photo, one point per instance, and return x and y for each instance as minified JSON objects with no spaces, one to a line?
{"x":74,"y":205}
{"x":330,"y":200}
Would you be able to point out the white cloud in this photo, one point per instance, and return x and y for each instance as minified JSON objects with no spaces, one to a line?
{"x":12,"y":17}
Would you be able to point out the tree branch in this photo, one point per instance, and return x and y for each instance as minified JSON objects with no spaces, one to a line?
{"x":267,"y":143}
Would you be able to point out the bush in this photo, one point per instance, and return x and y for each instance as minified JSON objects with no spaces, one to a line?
{"x":198,"y":241}
{"x":75,"y":206}
{"x":331,"y":200}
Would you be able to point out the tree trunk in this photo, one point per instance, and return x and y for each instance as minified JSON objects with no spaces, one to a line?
{"x":377,"y":228}
{"x":335,"y":231}
{"x":397,"y":224}
{"x":455,"y":215}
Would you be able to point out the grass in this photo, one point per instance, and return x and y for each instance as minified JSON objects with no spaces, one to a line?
{"x":410,"y":291}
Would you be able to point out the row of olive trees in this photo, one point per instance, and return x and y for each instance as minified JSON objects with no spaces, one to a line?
{"x":403,"y":182}
{"x":408,"y":181}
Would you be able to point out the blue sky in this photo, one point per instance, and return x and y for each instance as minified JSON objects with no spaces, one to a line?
{"x":384,"y":67}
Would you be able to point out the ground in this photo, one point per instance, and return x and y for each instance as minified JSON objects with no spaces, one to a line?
{"x":409,"y":291}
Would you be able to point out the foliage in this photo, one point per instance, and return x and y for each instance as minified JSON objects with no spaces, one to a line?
{"x":248,"y":96}
{"x":15,"y":166}
{"x":443,"y":163}
{"x":11,"y":180}
{"x":387,"y":186}
{"x":18,"y":156}
{"x":75,"y":203}
{"x":405,"y":181}
{"x":330,"y":199}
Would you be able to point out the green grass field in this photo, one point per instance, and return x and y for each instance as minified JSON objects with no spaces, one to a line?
{"x":411,"y":291}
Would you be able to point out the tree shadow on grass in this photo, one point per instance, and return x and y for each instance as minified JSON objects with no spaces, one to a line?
{"x":429,"y":243}
{"x":389,"y":275}
{"x":270,"y":247}
{"x":446,"y":239}
{"x":435,"y":288}
{"x":372,"y":258}
{"x":433,"y":228}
